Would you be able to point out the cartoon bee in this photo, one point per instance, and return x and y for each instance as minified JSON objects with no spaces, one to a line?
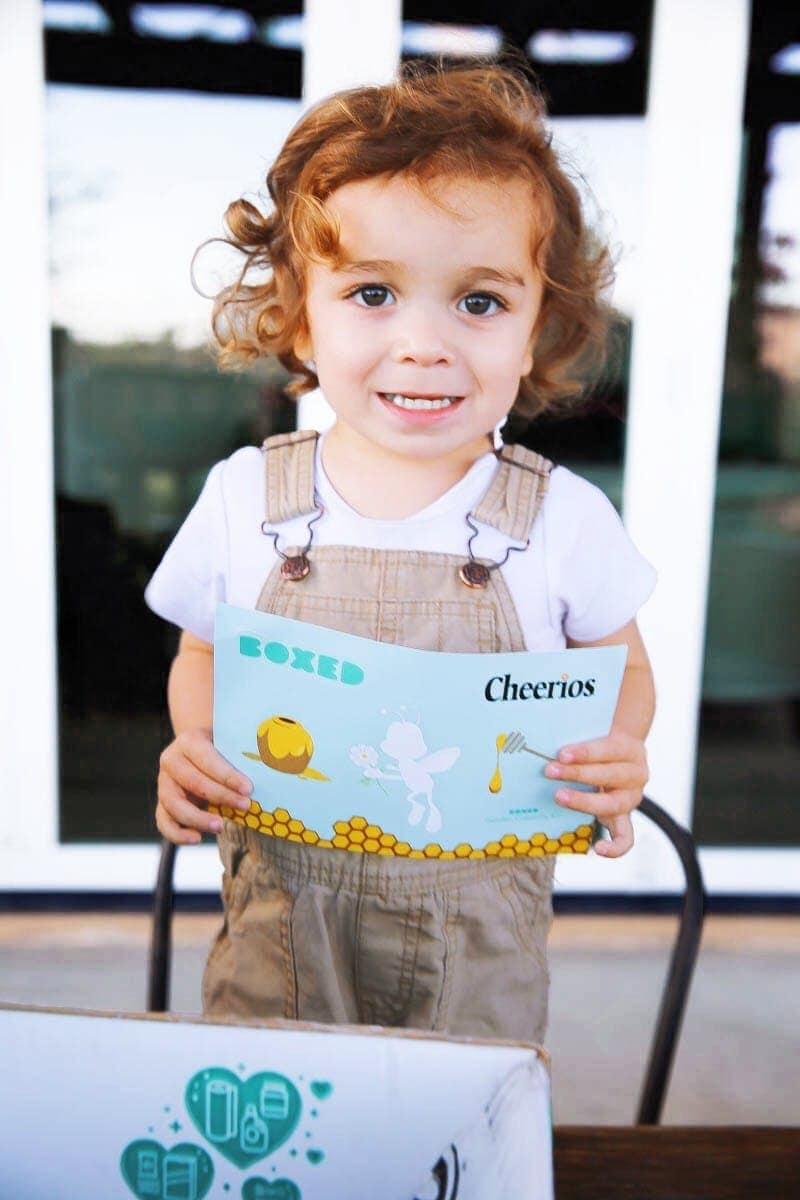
{"x":415,"y":767}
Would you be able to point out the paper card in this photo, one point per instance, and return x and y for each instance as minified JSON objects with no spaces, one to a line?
{"x":116,"y":1106}
{"x":360,"y":745}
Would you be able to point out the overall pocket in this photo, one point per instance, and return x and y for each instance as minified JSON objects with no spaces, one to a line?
{"x":528,"y":891}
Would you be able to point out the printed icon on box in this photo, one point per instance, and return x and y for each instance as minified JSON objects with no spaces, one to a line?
{"x":254,"y":1133}
{"x":179,"y":1177}
{"x":274,"y":1189}
{"x":412,"y":766}
{"x":274,"y":1101}
{"x":148,"y":1180}
{"x":245,"y":1119}
{"x":185,"y":1172}
{"x":222,"y":1111}
{"x":286,"y":746}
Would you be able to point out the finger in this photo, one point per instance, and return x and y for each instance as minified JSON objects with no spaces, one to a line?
{"x":610,"y":775}
{"x":208,"y":760}
{"x":621,"y":830}
{"x":172,"y":831}
{"x":194,"y":781}
{"x":184,"y":810}
{"x":617,"y":747}
{"x":600,"y":804}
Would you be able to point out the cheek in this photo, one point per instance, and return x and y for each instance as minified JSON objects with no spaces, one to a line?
{"x":347,"y":354}
{"x":507,"y":355}
{"x":344,"y":358}
{"x":348,"y":343}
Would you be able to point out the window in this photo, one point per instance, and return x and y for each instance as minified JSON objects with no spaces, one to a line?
{"x":749,"y":749}
{"x":158,"y":116}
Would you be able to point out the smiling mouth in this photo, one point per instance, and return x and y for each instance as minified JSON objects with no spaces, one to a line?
{"x":420,"y":403}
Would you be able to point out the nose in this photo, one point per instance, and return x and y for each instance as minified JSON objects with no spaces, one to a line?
{"x":420,"y":339}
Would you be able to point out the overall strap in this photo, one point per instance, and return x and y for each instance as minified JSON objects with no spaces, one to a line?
{"x":512,"y":501}
{"x":289,"y":475}
{"x":510,"y":504}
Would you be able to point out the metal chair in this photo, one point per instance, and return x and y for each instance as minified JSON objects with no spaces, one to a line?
{"x":676,"y":986}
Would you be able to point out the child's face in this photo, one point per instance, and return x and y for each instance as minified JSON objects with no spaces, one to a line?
{"x":428,"y":316}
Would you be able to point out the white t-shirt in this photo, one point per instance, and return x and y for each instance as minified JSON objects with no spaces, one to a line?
{"x":581,"y":575}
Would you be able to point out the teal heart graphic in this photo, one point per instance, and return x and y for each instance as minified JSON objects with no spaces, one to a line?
{"x":153,"y":1173}
{"x":245,"y":1119}
{"x":279,"y":1189}
{"x":321,"y":1088}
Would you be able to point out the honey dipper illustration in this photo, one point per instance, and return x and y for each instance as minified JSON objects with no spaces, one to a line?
{"x":511,"y":743}
{"x":285,"y":745}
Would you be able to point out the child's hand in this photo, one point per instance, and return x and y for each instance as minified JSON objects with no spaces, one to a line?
{"x":617,"y":765}
{"x":193,"y":774}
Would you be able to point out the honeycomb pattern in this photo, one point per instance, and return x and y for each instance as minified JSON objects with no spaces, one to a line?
{"x":360,"y":837}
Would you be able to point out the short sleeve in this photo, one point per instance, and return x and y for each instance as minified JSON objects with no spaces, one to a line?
{"x":191,"y":578}
{"x":598,"y":574}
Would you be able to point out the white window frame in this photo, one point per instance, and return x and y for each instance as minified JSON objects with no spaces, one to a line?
{"x":693,"y":146}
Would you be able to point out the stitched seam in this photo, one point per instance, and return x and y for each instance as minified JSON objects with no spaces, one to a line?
{"x":289,"y":460}
{"x":353,"y":605}
{"x":304,"y":477}
{"x":502,"y":882}
{"x":451,"y":914}
{"x":361,"y":1007}
{"x":381,"y":597}
{"x":354,"y":874}
{"x":487,"y":631}
{"x":525,"y":935}
{"x":505,"y":609}
{"x":268,"y":598}
{"x":405,"y":976}
{"x":512,"y":502}
{"x":290,"y":965}
{"x":410,"y":965}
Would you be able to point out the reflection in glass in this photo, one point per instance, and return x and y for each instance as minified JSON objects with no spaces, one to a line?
{"x":137,"y":181}
{"x":749,"y":751}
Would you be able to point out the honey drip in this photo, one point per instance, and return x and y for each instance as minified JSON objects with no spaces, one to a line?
{"x":496,"y":782}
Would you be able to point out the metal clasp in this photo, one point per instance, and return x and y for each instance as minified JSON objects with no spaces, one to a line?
{"x":295,"y":566}
{"x":476,"y":574}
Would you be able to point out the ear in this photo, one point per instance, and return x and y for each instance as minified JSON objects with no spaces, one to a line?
{"x":527,"y":362}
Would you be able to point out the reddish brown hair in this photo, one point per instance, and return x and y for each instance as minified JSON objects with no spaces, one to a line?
{"x":433,"y":122}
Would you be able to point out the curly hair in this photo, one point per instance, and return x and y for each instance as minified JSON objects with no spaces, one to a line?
{"x":432,"y":122}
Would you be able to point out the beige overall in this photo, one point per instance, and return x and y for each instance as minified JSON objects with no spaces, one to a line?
{"x":326,"y":935}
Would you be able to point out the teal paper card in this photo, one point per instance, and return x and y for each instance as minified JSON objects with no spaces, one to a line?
{"x":360,"y":745}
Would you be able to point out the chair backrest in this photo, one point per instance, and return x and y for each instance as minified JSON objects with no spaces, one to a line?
{"x":681,"y":967}
{"x":676,"y":986}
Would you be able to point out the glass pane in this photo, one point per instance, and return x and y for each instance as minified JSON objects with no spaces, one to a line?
{"x":593,"y":69}
{"x":749,"y":751}
{"x":144,"y":154}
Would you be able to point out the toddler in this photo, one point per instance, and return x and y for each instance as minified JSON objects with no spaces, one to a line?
{"x":425,"y":263}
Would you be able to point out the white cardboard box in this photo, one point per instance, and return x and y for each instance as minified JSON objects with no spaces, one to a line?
{"x":98,"y":1106}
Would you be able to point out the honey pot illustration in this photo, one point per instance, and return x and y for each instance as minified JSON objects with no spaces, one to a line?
{"x":286,"y":745}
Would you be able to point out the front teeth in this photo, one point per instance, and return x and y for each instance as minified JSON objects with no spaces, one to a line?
{"x":413,"y":402}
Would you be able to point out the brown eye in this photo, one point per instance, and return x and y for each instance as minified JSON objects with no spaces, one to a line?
{"x":478,"y":304}
{"x":372,"y":294}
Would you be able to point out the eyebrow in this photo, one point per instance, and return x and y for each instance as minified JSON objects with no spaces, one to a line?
{"x":370,"y":266}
